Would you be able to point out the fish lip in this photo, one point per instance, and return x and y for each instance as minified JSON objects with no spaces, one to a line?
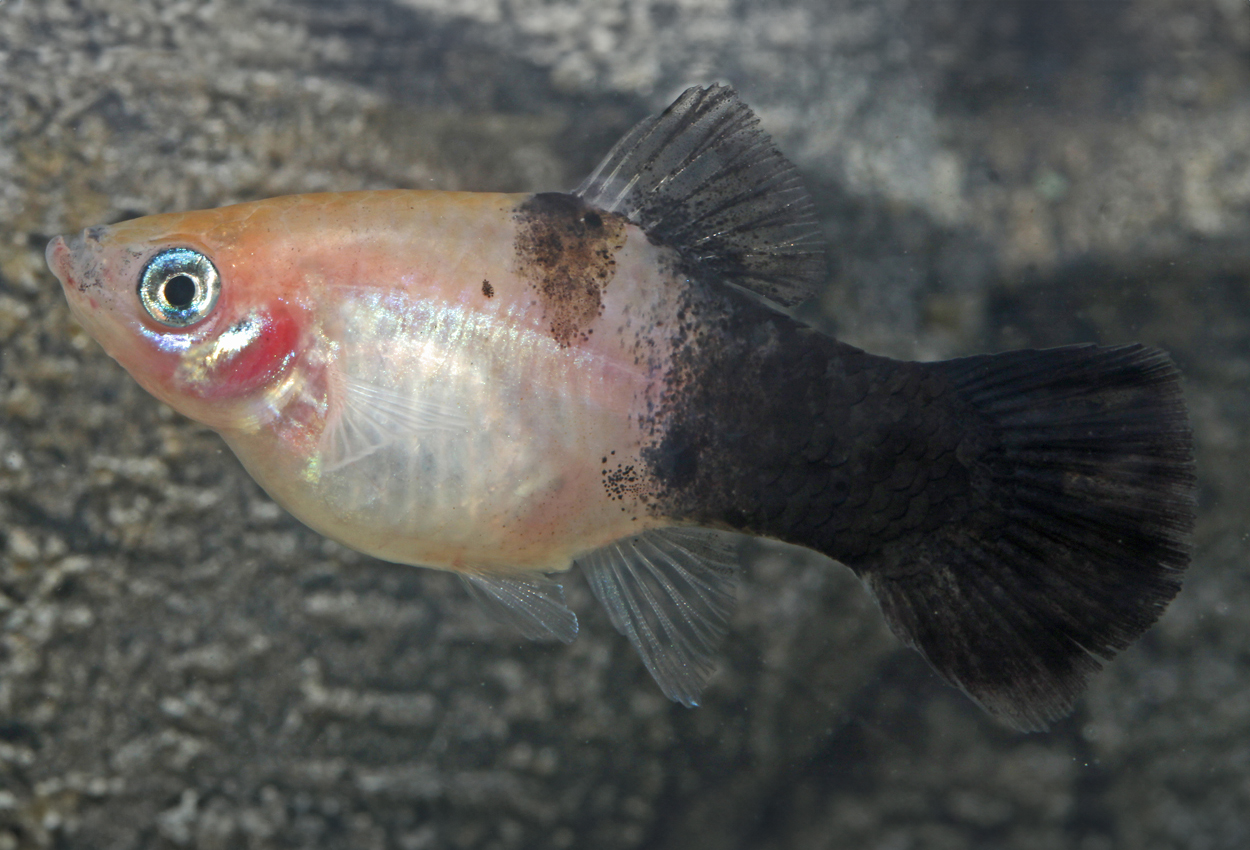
{"x":76,"y":260}
{"x":58,"y":257}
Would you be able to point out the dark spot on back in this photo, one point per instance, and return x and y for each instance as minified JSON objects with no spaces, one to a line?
{"x":568,"y":252}
{"x":487,"y":289}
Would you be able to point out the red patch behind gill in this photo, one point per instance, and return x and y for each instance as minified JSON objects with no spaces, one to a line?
{"x":267,"y":341}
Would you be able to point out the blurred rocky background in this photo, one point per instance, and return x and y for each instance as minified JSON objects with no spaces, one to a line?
{"x":182,"y":665}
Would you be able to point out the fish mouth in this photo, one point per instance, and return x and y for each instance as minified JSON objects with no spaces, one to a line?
{"x":77,"y":264}
{"x":60,"y":260}
{"x":78,"y":261}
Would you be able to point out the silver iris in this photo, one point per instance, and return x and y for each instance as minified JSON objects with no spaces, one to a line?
{"x":179,"y":287}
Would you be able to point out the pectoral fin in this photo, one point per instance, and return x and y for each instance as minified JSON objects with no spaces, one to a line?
{"x":671,"y":592}
{"x":371,"y":417}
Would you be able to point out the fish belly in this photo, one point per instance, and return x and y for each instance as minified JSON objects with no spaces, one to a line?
{"x":460,"y":432}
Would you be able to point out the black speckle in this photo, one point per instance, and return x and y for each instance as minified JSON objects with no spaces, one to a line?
{"x":568,"y":252}
{"x":623,"y":482}
{"x":487,"y":289}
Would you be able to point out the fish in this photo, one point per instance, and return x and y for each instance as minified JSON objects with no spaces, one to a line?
{"x":507,"y":385}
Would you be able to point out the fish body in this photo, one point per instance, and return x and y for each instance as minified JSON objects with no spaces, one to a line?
{"x":393,"y":377}
{"x":505,"y":385}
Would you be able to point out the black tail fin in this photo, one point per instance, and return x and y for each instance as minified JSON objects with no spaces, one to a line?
{"x":1082,"y":528}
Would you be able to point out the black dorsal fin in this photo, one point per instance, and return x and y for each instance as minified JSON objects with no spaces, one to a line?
{"x":706,"y":180}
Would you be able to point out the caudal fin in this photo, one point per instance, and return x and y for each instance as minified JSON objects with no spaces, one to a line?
{"x":1085,"y":510}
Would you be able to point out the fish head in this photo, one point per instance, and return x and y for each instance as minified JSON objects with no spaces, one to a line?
{"x":175,"y":300}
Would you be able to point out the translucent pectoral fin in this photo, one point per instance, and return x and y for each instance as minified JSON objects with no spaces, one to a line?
{"x":371,"y":417}
{"x":533,"y":604}
{"x":671,"y":592}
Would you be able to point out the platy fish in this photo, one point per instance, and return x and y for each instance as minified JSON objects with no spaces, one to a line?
{"x":504,"y":386}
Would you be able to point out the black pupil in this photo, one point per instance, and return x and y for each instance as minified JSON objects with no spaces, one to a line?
{"x":179,"y":291}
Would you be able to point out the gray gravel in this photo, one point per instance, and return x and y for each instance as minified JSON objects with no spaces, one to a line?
{"x":183,"y":665}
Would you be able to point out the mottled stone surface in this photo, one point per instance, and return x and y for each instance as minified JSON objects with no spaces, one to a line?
{"x":183,"y":665}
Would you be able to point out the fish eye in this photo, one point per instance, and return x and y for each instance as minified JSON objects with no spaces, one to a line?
{"x":179,"y":287}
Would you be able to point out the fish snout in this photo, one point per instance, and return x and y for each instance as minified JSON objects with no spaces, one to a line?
{"x":60,"y":260}
{"x":81,"y":262}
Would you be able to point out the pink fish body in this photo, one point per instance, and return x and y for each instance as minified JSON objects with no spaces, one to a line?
{"x":382,"y":367}
{"x":504,"y":385}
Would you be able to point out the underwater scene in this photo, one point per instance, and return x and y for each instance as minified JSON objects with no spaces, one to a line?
{"x":824,"y":420}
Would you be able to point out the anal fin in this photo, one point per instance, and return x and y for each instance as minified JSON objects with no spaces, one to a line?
{"x":671,"y":592}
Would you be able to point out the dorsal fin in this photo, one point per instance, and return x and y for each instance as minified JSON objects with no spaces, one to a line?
{"x":706,"y":180}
